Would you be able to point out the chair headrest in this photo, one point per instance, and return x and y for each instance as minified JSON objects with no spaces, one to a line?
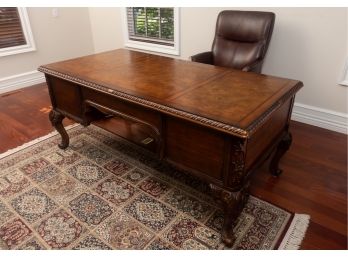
{"x":245,"y":26}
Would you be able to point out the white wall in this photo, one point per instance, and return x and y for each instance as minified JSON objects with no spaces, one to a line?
{"x":106,"y":28}
{"x":311,"y":45}
{"x":67,"y":36}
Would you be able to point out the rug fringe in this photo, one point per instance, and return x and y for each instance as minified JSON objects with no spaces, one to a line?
{"x":296,"y":232}
{"x":33,"y":142}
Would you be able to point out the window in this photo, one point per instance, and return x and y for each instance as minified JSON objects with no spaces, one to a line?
{"x":153,"y":29}
{"x":15,"y":32}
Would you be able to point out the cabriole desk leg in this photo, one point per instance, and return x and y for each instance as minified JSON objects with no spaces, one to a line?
{"x":233,"y":203}
{"x":56,"y":119}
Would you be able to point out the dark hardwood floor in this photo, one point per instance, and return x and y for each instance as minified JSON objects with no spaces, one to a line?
{"x":314,"y":180}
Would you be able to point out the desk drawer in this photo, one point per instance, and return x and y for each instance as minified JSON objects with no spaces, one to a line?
{"x":137,"y":124}
{"x":139,"y":112}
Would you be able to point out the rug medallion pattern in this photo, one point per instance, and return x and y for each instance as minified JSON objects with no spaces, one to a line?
{"x":104,"y":193}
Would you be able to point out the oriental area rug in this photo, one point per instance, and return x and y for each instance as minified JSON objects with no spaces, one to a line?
{"x":104,"y":193}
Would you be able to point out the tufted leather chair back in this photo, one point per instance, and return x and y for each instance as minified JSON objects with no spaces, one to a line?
{"x":242,"y":38}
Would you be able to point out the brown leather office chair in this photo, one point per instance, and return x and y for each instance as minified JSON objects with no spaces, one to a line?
{"x":241,"y":40}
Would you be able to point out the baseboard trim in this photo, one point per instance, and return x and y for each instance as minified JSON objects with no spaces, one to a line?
{"x":335,"y":121}
{"x":19,"y":81}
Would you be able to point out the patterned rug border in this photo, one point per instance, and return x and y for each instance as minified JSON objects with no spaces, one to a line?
{"x":295,"y":229}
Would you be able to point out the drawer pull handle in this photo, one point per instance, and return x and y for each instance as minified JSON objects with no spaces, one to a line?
{"x":147,"y":141}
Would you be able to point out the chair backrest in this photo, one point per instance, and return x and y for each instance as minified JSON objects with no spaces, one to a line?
{"x":241,"y":38}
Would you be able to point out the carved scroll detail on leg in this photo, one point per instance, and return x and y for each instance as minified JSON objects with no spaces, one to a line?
{"x":56,"y":119}
{"x":237,"y":163}
{"x":282,"y":147}
{"x":233,"y":203}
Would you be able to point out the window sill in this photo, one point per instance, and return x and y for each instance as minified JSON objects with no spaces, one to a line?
{"x":17,"y":50}
{"x":153,"y":47}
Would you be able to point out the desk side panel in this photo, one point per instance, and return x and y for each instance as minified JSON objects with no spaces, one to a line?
{"x":65,"y":97}
{"x":267,"y":134}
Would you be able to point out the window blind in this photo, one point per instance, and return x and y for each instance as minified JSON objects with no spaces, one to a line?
{"x":152,"y":25}
{"x":11,"y":32}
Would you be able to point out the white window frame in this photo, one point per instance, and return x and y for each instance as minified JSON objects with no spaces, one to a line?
{"x":30,"y":45}
{"x":173,"y":50}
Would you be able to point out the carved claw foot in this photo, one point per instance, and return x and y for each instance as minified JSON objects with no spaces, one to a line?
{"x":282,"y":147}
{"x":233,"y":203}
{"x":56,"y":119}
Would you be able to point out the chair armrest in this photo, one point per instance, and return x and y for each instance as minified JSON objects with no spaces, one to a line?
{"x":205,"y":57}
{"x":254,"y":67}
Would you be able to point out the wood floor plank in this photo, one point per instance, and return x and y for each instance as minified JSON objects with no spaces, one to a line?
{"x":335,"y":205}
{"x":323,"y":238}
{"x":26,"y":117}
{"x":10,"y":133}
{"x":314,"y":180}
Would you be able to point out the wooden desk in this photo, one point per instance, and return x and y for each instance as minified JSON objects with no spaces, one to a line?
{"x":216,"y":123}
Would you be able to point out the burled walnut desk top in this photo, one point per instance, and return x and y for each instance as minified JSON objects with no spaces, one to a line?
{"x":229,"y":100}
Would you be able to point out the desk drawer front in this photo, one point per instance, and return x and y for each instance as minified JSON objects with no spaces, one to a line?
{"x":130,"y":109}
{"x":194,"y":147}
{"x":137,"y":124}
